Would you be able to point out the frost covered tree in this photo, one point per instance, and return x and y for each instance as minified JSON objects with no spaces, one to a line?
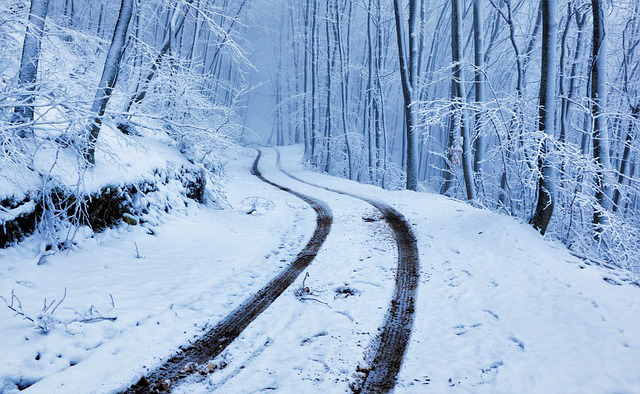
{"x":459,"y":94}
{"x":480,"y":81}
{"x":175,"y":23}
{"x":598,"y":108}
{"x":529,"y":108}
{"x":109,"y":76}
{"x":384,"y":98}
{"x":546,"y":188}
{"x":28,"y":73}
{"x":408,"y":59}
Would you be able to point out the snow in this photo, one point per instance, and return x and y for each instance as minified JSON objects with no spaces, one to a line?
{"x":499,"y":308}
{"x":11,"y":214}
{"x":200,"y":264}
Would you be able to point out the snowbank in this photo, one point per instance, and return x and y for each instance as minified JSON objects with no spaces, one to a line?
{"x":164,"y":281}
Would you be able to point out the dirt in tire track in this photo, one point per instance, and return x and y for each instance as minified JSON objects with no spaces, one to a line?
{"x":229,"y":328}
{"x":386,"y":351}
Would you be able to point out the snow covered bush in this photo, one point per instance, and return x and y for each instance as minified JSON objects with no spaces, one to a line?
{"x":164,"y":93}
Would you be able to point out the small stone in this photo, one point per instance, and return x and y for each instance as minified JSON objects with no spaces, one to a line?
{"x":189,"y":368}
{"x":164,"y":385}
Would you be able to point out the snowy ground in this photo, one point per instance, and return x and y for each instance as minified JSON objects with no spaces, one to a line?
{"x":199,"y":264}
{"x":499,"y":309}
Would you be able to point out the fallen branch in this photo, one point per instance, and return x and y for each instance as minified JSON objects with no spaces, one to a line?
{"x":45,"y":321}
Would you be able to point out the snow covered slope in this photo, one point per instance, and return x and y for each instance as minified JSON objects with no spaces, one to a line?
{"x":499,"y":308}
{"x":502,"y":310}
{"x":163,"y":286}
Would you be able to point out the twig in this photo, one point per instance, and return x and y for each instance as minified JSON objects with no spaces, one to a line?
{"x":314,"y":299}
{"x":60,"y":302}
{"x":138,"y":256}
{"x":18,"y":310}
{"x":95,"y":319}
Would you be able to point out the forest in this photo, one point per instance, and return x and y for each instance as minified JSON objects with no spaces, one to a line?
{"x":118,"y":117}
{"x":523,"y":107}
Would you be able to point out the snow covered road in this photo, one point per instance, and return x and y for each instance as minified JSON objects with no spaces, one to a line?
{"x":498,"y":309}
{"x":216,"y":340}
{"x":501,"y":309}
{"x":335,"y":331}
{"x":387,"y":349}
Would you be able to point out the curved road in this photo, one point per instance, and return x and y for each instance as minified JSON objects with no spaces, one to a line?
{"x":229,"y":328}
{"x":387,"y":350}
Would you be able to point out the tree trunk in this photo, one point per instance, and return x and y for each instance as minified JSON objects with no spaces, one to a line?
{"x":459,"y":96}
{"x":314,"y":82}
{"x":624,"y":162}
{"x":408,"y":74}
{"x":307,"y":138}
{"x":28,"y":73}
{"x":598,"y":108}
{"x":479,"y":54}
{"x":331,"y":59}
{"x":565,"y":111}
{"x":344,"y":90}
{"x":109,"y":75}
{"x":546,"y":188}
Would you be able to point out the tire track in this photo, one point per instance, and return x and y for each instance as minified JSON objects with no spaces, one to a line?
{"x":387,"y":350}
{"x":229,"y":328}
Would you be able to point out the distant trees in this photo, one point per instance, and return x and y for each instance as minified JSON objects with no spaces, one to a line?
{"x":527,"y":107}
{"x":512,"y":104}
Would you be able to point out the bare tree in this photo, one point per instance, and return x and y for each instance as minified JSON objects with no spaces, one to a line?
{"x":459,"y":94}
{"x":598,"y":110}
{"x":546,"y":187}
{"x":28,"y":73}
{"x":480,"y":81}
{"x":109,"y":75}
{"x":408,"y":74}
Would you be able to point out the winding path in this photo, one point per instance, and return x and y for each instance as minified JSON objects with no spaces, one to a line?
{"x":387,"y":350}
{"x":229,"y":328}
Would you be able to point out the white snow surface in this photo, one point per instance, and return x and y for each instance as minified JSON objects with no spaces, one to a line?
{"x":499,"y":308}
{"x":199,"y":265}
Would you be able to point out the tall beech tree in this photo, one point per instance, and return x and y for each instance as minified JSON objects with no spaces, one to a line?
{"x":459,"y":94}
{"x":409,"y":79}
{"x":28,"y":73}
{"x":598,"y":110}
{"x":546,"y":188}
{"x":109,"y":76}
